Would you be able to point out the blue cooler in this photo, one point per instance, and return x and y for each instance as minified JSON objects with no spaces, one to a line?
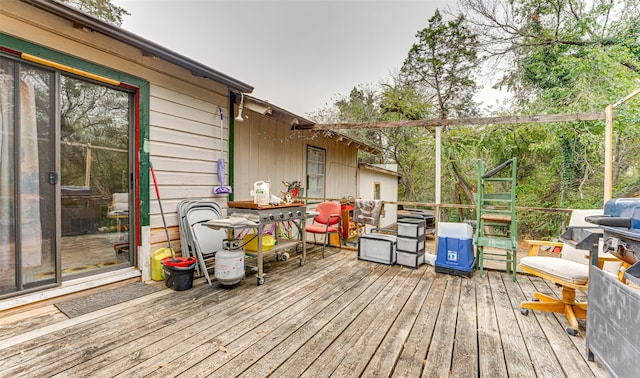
{"x":455,"y":249}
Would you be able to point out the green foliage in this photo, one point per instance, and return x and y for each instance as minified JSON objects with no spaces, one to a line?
{"x":563,"y":57}
{"x":104,"y":10}
{"x":97,"y":116}
{"x":441,"y":64}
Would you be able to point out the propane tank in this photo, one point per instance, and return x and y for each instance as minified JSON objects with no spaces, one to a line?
{"x":229,"y":265}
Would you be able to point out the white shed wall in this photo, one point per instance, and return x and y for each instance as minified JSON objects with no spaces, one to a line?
{"x":388,"y":191}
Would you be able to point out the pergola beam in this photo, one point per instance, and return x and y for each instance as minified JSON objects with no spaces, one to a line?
{"x":480,"y":121}
{"x":606,"y":116}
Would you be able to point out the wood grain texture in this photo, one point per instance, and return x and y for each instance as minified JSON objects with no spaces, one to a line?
{"x":336,"y":316}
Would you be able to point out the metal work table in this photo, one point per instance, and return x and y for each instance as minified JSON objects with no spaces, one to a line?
{"x":262,"y":216}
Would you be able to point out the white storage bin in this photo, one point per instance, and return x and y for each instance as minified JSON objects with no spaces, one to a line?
{"x":410,"y":228}
{"x":455,"y":230}
{"x":380,"y":248}
{"x":411,"y":260}
{"x":429,"y":258}
{"x":410,"y":245}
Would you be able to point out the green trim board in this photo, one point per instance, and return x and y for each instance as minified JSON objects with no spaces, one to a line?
{"x":142,"y":102}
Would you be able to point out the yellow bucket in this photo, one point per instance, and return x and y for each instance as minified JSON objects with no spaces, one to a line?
{"x":251,"y":242}
{"x":157,"y":274}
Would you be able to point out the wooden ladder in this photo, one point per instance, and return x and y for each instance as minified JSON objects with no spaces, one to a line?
{"x":496,"y":225}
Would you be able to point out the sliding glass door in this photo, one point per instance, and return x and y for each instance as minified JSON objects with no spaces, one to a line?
{"x":66,"y":183}
{"x":27,"y":177}
{"x":94,"y":176}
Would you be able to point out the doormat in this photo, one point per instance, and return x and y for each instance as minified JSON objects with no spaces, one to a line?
{"x":84,"y":305}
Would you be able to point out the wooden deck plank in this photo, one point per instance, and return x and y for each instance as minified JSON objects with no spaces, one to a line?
{"x":337,"y":316}
{"x":358,"y":357}
{"x":153,"y":324}
{"x":312,"y":349}
{"x":438,"y":362}
{"x":245,"y":350}
{"x":579,"y":342}
{"x":384,"y":360}
{"x":283,"y":351}
{"x":490,"y":355}
{"x":333,"y":355}
{"x":56,"y":340}
{"x":413,"y":355}
{"x":13,"y":325}
{"x":90,"y":326}
{"x":542,"y":357}
{"x":211,"y":334}
{"x":465,"y":349}
{"x":569,"y":358}
{"x":515,"y":351}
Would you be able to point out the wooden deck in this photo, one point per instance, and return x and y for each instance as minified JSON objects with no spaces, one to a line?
{"x":334,"y":317}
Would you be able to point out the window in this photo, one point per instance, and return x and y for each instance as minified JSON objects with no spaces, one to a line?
{"x":376,"y":190}
{"x":316,"y":172}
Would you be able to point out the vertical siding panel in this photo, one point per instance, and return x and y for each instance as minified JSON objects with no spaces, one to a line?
{"x":272,"y":153}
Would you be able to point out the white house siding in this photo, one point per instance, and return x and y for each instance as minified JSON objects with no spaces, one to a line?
{"x":388,"y":180}
{"x":184,"y":131}
{"x":265,"y":147}
{"x":184,"y":148}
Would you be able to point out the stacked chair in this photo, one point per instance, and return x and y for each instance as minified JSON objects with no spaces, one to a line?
{"x":196,"y":238}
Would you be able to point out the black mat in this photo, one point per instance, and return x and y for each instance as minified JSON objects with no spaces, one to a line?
{"x":98,"y":301}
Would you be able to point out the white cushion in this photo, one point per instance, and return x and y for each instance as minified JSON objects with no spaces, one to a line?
{"x":120,"y":202}
{"x":561,"y":269}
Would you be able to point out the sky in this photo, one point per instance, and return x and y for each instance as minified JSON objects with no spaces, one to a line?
{"x":298,"y":55}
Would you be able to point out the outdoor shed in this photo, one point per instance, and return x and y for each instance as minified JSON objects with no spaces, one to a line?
{"x":380,"y":182}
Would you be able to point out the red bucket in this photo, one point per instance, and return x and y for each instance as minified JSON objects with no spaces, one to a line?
{"x":180,"y":262}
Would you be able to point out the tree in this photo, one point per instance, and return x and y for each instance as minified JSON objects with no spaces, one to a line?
{"x":441,"y":65}
{"x":565,"y":56}
{"x":402,"y":146}
{"x":409,"y":148}
{"x":104,"y":10}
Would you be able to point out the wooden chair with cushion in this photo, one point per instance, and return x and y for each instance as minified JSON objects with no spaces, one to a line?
{"x":570,"y":271}
{"x":328,"y":221}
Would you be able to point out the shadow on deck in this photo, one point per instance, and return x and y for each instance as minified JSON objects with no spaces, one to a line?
{"x":336,"y":316}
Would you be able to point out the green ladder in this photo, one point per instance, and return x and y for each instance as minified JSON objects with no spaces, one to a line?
{"x":496,"y":225}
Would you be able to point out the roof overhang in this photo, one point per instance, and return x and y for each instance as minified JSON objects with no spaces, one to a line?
{"x":267,"y":109}
{"x":149,"y":48}
{"x":341,"y":138}
{"x":378,"y":169}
